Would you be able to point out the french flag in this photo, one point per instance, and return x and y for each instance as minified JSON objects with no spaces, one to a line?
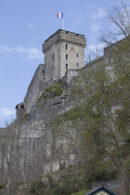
{"x":60,"y":15}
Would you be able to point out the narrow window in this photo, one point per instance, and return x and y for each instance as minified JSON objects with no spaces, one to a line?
{"x":77,"y":64}
{"x":43,"y":72}
{"x":22,"y":106}
{"x":77,"y":55}
{"x":66,"y":46}
{"x":66,"y":56}
{"x":53,"y":57}
{"x":66,"y":66}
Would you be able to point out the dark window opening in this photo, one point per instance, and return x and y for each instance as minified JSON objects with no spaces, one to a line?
{"x":53,"y":57}
{"x":66,"y":56}
{"x":66,"y":66}
{"x":43,"y":71}
{"x":22,"y":106}
{"x":77,"y":64}
{"x":66,"y":46}
{"x":77,"y":55}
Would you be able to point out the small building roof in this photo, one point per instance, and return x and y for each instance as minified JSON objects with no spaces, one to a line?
{"x":100,"y":189}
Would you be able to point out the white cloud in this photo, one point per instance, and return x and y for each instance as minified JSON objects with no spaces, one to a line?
{"x":31,"y":25}
{"x":6,"y":112}
{"x":96,"y":47}
{"x":95,"y":27}
{"x":99,"y":13}
{"x":32,"y":52}
{"x":5,"y":48}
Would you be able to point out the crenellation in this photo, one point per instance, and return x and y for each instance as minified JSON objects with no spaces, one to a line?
{"x":64,"y":36}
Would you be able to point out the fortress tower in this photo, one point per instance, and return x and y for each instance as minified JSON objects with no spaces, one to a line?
{"x":63,"y":50}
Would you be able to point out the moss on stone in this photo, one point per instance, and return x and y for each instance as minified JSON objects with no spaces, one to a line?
{"x":26,"y":116}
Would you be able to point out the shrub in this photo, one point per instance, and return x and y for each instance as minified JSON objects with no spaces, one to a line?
{"x":82,"y":192}
{"x":36,"y":187}
{"x":2,"y":186}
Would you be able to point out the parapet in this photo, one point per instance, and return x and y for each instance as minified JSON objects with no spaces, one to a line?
{"x":63,"y":35}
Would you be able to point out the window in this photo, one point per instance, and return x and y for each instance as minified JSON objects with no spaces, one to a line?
{"x":43,"y":71}
{"x":66,"y":56}
{"x":53,"y":57}
{"x":77,"y":64}
{"x":22,"y":106}
{"x":66,"y":46}
{"x":66,"y":66}
{"x":77,"y":55}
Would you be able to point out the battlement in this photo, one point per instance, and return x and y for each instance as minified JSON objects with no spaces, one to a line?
{"x":66,"y":36}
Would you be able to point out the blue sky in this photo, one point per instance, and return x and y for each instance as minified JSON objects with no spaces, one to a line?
{"x":25,"y":24}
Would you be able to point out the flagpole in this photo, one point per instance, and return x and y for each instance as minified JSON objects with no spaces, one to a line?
{"x":63,"y":23}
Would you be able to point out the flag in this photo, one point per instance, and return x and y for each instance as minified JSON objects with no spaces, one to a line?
{"x":60,"y":15}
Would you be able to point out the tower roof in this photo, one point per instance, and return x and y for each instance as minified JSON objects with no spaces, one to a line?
{"x":64,"y":31}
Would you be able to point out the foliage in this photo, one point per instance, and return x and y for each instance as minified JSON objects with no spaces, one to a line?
{"x":79,"y":193}
{"x":2,"y":186}
{"x":105,"y":145}
{"x":68,"y":183}
{"x":37,"y":188}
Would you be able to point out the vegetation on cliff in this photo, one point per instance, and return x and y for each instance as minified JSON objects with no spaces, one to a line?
{"x":52,"y":91}
{"x":101,"y":116}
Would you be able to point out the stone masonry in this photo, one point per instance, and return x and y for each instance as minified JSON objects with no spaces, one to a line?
{"x":63,"y":50}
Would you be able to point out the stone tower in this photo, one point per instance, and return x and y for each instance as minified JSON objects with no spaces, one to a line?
{"x":63,"y":50}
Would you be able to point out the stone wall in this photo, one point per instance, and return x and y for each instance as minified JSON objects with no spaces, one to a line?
{"x":33,"y":89}
{"x":63,"y":50}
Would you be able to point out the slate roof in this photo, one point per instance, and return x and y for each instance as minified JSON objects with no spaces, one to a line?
{"x":100,"y":189}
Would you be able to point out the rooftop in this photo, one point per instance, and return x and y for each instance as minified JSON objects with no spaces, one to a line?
{"x":64,"y":31}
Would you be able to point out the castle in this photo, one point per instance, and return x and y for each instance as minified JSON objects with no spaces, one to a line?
{"x":31,"y":145}
{"x":63,"y":51}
